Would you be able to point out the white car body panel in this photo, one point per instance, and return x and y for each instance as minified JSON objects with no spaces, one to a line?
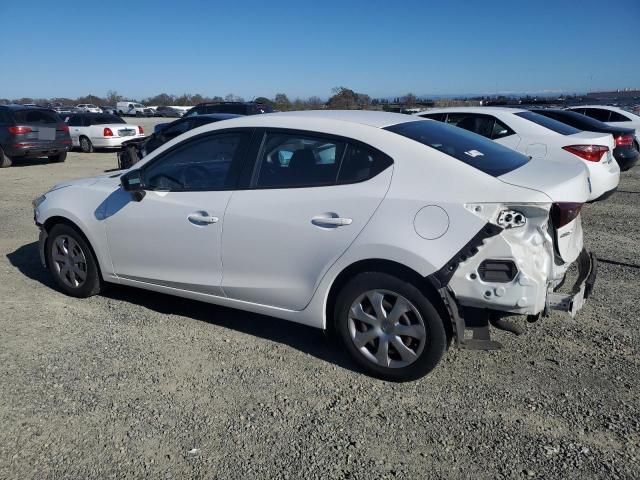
{"x":264,"y":255}
{"x":95,"y":133}
{"x":539,"y":142}
{"x":633,"y":119}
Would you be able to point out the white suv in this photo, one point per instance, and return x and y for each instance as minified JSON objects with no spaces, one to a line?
{"x":392,"y":231}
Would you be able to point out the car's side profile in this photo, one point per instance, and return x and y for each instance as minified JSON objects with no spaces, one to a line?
{"x":89,"y":108}
{"x":100,"y":130}
{"x":540,"y":138}
{"x":388,"y":229}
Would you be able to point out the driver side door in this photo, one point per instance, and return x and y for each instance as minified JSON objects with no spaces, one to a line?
{"x":172,"y":236}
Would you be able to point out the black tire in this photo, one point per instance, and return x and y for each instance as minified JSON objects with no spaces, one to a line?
{"x":61,"y":157}
{"x":4,"y":160}
{"x":85,"y":144}
{"x":92,"y":283}
{"x":435,"y":338}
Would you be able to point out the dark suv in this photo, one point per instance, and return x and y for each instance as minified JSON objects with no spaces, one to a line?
{"x":27,"y":132}
{"x":237,"y":108}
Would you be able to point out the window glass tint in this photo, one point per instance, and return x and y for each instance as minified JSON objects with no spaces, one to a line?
{"x":176,"y":129}
{"x":74,"y":121}
{"x":104,"y":119}
{"x":435,"y":116}
{"x":550,"y":123}
{"x":202,"y":164}
{"x":618,"y":117}
{"x":5,"y":116}
{"x":290,"y":160}
{"x":35,"y":116}
{"x":237,"y":109}
{"x":576,"y":120}
{"x":474,"y":150}
{"x":484,"y":125}
{"x":598,"y":113}
{"x":361,"y":163}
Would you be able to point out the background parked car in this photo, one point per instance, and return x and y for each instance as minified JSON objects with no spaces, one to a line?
{"x":133,"y":150}
{"x":614,"y":116}
{"x":625,"y":151}
{"x":133,"y":109}
{"x":168,"y":112}
{"x":89,"y":108}
{"x":65,"y":109}
{"x":540,"y":138}
{"x":100,"y":130}
{"x":110,"y":109}
{"x":238,"y":108}
{"x":27,"y":132}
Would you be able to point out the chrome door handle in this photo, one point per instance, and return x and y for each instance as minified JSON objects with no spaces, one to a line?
{"x":331,"y":221}
{"x":201,"y":219}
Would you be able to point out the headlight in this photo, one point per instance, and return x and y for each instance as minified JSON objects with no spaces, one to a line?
{"x":36,"y":202}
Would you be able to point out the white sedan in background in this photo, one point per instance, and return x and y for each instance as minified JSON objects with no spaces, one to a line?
{"x":614,"y":116}
{"x":100,"y":130}
{"x":89,"y":108}
{"x":341,"y":220}
{"x":540,"y":137}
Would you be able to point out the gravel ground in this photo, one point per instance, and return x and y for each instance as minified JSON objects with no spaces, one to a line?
{"x":133,"y":384}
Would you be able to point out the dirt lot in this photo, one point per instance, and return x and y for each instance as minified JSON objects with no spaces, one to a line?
{"x":134,"y":384}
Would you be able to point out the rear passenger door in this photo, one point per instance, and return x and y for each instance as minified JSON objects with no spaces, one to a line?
{"x":306,"y":198}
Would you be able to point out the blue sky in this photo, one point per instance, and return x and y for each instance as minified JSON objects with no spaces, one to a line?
{"x":253,"y":48}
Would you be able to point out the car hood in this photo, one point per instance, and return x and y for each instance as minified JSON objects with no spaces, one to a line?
{"x":561,"y":182}
{"x":107,"y":179}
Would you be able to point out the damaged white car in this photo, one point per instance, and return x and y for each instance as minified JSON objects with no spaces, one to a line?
{"x":399,"y":234}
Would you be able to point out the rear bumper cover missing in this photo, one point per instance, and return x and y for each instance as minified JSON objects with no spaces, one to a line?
{"x":582,"y":288}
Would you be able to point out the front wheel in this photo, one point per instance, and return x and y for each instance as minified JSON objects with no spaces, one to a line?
{"x":71,"y":262}
{"x":389,"y":327}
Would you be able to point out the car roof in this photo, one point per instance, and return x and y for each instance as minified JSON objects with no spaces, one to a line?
{"x":604,"y":107}
{"x":15,"y":106}
{"x":363,"y":117}
{"x":473,"y":110}
{"x":218,"y":116}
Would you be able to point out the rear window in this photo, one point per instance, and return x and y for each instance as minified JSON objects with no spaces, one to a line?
{"x":105,"y":119}
{"x":36,"y":116}
{"x":470,"y":148}
{"x":550,"y":123}
{"x":573,"y":119}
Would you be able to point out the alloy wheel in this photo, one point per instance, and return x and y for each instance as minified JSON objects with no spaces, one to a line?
{"x":386,"y":328}
{"x":69,"y":261}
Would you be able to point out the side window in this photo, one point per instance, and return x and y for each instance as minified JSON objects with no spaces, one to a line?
{"x":597,"y":113}
{"x":435,"y":116}
{"x":618,"y":117}
{"x":500,"y":130}
{"x":288,"y":160}
{"x":74,"y":121}
{"x":361,"y":163}
{"x":175,"y":130}
{"x":201,"y":164}
{"x":86,"y":121}
{"x":480,"y":124}
{"x":5,"y":117}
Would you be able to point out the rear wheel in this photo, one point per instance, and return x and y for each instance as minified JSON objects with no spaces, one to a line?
{"x":71,"y":262}
{"x":4,"y":160}
{"x":61,"y":157}
{"x":389,"y":327}
{"x":85,"y":145}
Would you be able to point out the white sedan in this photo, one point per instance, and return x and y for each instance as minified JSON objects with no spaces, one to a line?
{"x":100,"y":130}
{"x":614,"y":116}
{"x":540,"y":137}
{"x":388,"y":229}
{"x":89,"y":108}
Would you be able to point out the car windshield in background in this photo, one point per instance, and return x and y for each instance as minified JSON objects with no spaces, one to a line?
{"x":36,"y":116}
{"x":550,"y":123}
{"x":470,"y":148}
{"x":105,"y":119}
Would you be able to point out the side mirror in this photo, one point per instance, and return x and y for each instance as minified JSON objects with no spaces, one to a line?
{"x":132,"y":182}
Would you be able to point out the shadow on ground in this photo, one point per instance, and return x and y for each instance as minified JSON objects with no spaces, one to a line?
{"x":306,"y":339}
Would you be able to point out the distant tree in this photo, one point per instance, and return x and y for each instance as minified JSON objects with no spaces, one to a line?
{"x":113,"y":98}
{"x":343,"y":99}
{"x":315,"y":102}
{"x":24,"y":100}
{"x":282,"y":102}
{"x":91,"y":99}
{"x":263,"y":100}
{"x":230,"y":97}
{"x":409,"y":100}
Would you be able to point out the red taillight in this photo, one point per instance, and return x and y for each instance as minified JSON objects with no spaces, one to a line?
{"x":563,"y":213}
{"x":140,"y":130}
{"x":107,"y":132}
{"x":624,"y":140}
{"x":63,"y":127}
{"x":19,"y":130}
{"x":591,"y":153}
